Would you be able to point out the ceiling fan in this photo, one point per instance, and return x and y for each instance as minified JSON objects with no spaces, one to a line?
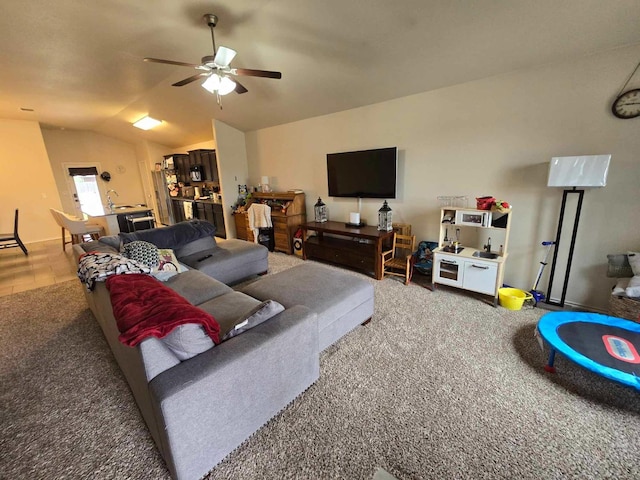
{"x":216,"y":69}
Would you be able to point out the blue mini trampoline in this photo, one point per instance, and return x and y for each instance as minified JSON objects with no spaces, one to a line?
{"x":605,"y":345}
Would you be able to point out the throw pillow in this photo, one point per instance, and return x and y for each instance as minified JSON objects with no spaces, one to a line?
{"x":634,"y":261}
{"x":188,"y":340}
{"x":168,"y":265}
{"x":620,"y":288}
{"x":143,"y":252}
{"x":618,"y":266}
{"x":254,"y":317}
{"x":167,"y":261}
{"x":633,"y":290}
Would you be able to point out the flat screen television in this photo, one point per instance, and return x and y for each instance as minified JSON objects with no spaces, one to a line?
{"x":363,"y":174}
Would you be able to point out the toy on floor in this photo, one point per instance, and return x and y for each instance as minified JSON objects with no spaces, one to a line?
{"x":605,"y":345}
{"x":538,"y":296}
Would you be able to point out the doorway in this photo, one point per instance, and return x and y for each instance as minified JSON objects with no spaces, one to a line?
{"x":85,"y":190}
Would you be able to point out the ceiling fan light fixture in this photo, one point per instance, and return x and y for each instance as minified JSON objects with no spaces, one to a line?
{"x":221,"y":84}
{"x":226,"y":86}
{"x":212,"y":83}
{"x":147,"y":123}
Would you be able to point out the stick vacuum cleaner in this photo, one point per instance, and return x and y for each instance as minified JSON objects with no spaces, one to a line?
{"x":538,"y":296}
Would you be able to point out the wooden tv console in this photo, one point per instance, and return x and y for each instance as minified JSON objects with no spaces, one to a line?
{"x":358,"y":248}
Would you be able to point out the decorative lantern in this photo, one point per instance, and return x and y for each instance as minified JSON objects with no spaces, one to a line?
{"x":320,"y":211}
{"x":385,"y":218}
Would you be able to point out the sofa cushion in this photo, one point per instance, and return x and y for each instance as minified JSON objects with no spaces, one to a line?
{"x":253,"y":318}
{"x":196,"y":287}
{"x":331,"y":293}
{"x":188,"y":340}
{"x":144,"y":307}
{"x":113,"y":241}
{"x":174,"y":236}
{"x":228,"y":307}
{"x":204,"y":243}
{"x":230,"y":261}
{"x":96,"y":246}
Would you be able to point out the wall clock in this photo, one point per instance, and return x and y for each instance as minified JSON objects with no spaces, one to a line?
{"x":627,"y":105}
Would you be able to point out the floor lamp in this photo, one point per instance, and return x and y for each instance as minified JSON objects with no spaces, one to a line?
{"x":574,"y":172}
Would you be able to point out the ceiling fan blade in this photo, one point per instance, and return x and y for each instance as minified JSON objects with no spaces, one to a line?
{"x":190,"y":79}
{"x":224,"y":56}
{"x":255,"y":73}
{"x":240,"y":88}
{"x":170,"y":62}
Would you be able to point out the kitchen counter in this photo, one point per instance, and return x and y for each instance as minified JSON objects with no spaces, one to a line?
{"x":117,"y":211}
{"x":468,"y":252}
{"x":199,"y":200}
{"x":109,"y":220}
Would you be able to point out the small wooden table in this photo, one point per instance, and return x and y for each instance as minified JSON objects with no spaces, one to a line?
{"x":359,"y":248}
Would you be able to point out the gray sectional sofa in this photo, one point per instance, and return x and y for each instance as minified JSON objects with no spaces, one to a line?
{"x":194,"y":244}
{"x":200,"y":409}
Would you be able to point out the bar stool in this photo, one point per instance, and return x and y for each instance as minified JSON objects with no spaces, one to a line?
{"x":134,"y":221}
{"x":79,"y":229}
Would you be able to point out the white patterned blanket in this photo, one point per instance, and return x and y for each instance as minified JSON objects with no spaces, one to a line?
{"x":97,"y":266}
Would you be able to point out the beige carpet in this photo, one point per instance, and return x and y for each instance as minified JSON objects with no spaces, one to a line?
{"x":440,"y":385}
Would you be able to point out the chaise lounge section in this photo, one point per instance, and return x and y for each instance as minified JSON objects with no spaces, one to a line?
{"x":200,"y":401}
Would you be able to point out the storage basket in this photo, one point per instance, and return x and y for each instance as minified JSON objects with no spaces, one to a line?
{"x":625,"y":307}
{"x":513,"y":298}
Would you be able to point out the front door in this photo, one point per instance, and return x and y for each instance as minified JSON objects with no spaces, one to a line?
{"x":82,"y":180}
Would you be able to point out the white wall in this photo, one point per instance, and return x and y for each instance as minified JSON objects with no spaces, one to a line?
{"x":233,"y":168}
{"x":117,"y":157}
{"x":27,"y":182}
{"x":488,"y":137}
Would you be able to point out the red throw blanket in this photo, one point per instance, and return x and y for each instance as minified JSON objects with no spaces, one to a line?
{"x":145,"y":307}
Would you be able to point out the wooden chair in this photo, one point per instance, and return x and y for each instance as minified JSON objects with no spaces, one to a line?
{"x":57,"y":216}
{"x":11,"y":240}
{"x":397,"y":261}
{"x":402,"y":228}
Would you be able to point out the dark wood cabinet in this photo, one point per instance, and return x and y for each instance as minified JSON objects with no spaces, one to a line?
{"x":184,"y":161}
{"x":202,"y":210}
{"x":358,"y":248}
{"x":180,"y":166}
{"x":242,"y":226}
{"x":206,"y":158}
{"x":178,"y":211}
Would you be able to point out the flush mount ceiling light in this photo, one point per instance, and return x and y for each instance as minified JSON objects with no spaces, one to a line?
{"x":147,"y":123}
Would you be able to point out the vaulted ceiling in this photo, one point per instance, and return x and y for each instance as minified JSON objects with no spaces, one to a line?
{"x":79,"y":64}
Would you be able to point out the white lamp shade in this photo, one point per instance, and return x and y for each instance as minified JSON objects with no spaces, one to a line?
{"x":226,"y":86}
{"x":212,"y":83}
{"x":579,"y":171}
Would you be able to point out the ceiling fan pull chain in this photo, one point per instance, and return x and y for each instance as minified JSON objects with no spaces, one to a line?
{"x":628,"y":79}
